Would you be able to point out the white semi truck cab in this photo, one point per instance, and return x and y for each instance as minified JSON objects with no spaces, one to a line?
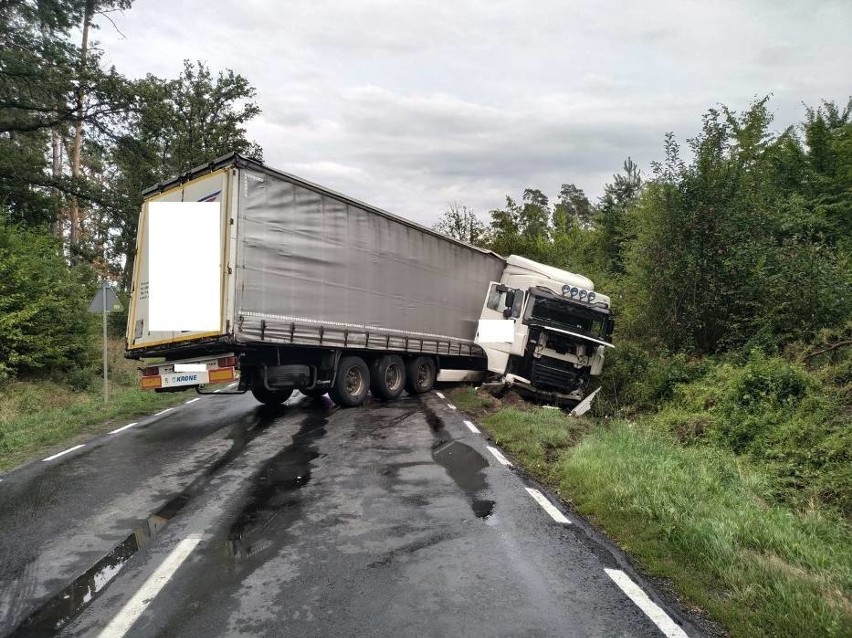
{"x":554,"y":334}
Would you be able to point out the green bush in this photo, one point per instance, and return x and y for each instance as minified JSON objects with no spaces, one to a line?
{"x":757,"y":398}
{"x":793,"y":422}
{"x":44,"y":323}
{"x":634,"y":379}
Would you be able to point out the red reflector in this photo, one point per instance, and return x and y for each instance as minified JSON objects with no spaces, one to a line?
{"x":227,"y":362}
{"x":150,"y":372}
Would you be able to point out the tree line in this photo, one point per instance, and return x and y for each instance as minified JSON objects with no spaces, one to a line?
{"x":744,"y":240}
{"x":79,"y":142}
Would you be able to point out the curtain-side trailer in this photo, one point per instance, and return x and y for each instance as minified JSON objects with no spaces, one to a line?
{"x":303,"y":288}
{"x":318,"y":292}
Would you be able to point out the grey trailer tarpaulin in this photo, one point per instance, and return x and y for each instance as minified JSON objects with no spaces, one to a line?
{"x":316,"y":268}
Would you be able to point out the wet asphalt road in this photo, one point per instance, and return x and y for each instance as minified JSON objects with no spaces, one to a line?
{"x":386,"y":520}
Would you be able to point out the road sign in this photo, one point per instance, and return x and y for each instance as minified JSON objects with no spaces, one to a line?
{"x":105,"y":301}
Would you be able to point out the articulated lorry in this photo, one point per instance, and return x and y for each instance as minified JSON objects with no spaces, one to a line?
{"x":294,"y":287}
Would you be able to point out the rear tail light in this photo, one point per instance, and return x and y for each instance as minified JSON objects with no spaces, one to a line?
{"x":151,"y":371}
{"x":227,"y":362}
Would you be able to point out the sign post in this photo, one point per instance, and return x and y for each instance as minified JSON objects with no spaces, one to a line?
{"x":105,"y":301}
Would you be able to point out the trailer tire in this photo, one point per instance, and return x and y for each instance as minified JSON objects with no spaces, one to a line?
{"x":388,"y":377}
{"x":351,"y":383}
{"x":421,"y":373}
{"x":270,"y":397}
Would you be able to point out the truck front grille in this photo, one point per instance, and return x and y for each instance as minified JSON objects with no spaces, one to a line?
{"x":554,"y":374}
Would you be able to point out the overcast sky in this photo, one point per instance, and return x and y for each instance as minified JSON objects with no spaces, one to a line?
{"x":412,"y":104}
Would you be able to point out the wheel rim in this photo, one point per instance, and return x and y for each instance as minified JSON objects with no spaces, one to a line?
{"x":354,"y":381}
{"x":393,"y":377}
{"x":423,"y":374}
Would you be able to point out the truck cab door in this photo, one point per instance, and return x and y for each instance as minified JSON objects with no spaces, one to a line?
{"x":497,"y":324}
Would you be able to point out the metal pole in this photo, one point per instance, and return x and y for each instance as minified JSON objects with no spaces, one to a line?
{"x":104,"y":294}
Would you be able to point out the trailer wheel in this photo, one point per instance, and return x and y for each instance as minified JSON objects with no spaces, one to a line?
{"x":388,"y":377}
{"x":270,"y":397}
{"x":421,"y":374}
{"x":351,"y":382}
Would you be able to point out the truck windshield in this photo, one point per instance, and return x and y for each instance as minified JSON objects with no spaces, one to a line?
{"x":567,"y":315}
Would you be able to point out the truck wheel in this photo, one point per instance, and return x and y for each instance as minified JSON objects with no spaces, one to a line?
{"x":421,"y":374}
{"x":388,"y":377}
{"x":270,"y":397}
{"x":351,"y":383}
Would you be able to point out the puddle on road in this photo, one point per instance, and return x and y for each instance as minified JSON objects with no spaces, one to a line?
{"x":463,"y":464}
{"x":275,"y":494}
{"x":65,"y":605}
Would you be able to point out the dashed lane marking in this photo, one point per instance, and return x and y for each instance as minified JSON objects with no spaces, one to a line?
{"x":548,"y":507}
{"x":660,"y":618}
{"x":499,"y":455}
{"x":451,"y":406}
{"x":164,"y":411}
{"x":440,"y":396}
{"x":63,"y":452}
{"x":129,"y":425}
{"x":133,"y":608}
{"x":192,"y":400}
{"x":471,"y":427}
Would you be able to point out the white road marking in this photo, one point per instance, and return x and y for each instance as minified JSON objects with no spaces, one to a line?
{"x":440,"y":396}
{"x":451,"y":406}
{"x":548,"y":507}
{"x":499,"y":455}
{"x":133,"y":608}
{"x":164,"y":411}
{"x":70,"y":449}
{"x":660,"y":618}
{"x":129,"y":425}
{"x":219,"y":390}
{"x":192,"y":400}
{"x":231,"y":385}
{"x":471,"y":427}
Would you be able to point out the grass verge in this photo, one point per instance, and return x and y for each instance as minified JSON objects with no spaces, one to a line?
{"x":700,"y":517}
{"x":43,"y":429}
{"x":42,"y":416}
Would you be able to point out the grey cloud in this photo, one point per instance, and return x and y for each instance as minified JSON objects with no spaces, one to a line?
{"x":413,"y":105}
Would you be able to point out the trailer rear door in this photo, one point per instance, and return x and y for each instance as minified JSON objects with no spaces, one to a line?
{"x":177,"y":253}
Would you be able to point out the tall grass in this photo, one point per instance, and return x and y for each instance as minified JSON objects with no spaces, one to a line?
{"x":701,"y":516}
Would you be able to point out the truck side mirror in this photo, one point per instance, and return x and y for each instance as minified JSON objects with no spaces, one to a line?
{"x":510,"y":298}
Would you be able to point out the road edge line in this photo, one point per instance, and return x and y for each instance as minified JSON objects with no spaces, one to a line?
{"x":122,"y":622}
{"x":499,"y":456}
{"x":547,"y":506}
{"x":129,"y":425}
{"x":63,"y":452}
{"x":651,"y":609}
